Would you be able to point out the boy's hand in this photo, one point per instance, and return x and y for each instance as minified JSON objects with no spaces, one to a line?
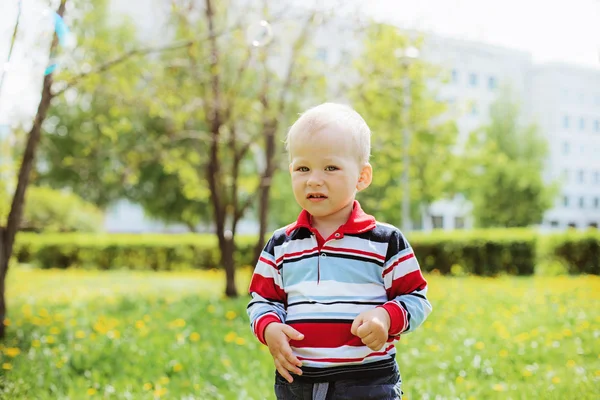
{"x":372,"y":327}
{"x":278,"y":336}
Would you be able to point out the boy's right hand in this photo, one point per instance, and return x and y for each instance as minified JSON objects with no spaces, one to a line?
{"x":278,"y":336}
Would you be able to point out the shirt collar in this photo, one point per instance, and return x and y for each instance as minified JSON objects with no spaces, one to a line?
{"x":358,"y":222}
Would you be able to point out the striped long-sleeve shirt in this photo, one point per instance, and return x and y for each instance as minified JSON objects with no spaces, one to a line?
{"x":319,"y":286}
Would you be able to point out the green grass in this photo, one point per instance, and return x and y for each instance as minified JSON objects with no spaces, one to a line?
{"x":140,"y":335}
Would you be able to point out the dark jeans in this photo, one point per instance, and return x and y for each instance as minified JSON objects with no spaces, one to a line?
{"x":386,"y":387}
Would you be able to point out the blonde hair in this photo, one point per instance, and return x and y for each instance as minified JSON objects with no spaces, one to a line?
{"x":344,"y":117}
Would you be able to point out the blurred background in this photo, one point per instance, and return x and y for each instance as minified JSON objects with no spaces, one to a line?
{"x":142,"y":166}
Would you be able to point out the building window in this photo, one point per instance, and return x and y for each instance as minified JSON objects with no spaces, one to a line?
{"x":459,"y":222}
{"x":597,"y":125}
{"x":581,"y":202}
{"x":566,"y":122}
{"x":581,"y":123}
{"x":565,"y":175}
{"x":596,"y":202}
{"x":454,"y":76}
{"x":474,"y":110}
{"x":572,"y":225}
{"x":554,"y":223}
{"x":322,"y":54}
{"x":597,"y":177}
{"x":566,"y":148}
{"x":473,"y":79}
{"x":593,"y":225}
{"x":566,"y":201}
{"x":580,"y":176}
{"x":492,"y":83}
{"x":437,"y":221}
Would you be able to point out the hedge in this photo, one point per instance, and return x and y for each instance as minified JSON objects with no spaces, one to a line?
{"x":579,"y":252}
{"x":486,"y":252}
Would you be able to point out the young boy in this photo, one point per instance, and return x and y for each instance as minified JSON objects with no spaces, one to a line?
{"x":333,"y":291}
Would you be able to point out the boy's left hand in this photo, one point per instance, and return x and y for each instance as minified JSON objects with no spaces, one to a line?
{"x":372,"y":327}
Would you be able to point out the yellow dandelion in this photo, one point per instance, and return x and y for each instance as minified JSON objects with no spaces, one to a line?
{"x":12,"y":351}
{"x":230,"y":337}
{"x":159,"y":392}
{"x":50,"y":339}
{"x":7,"y":366}
{"x":556,"y":379}
{"x":6,"y":322}
{"x":226,"y":362}
{"x":177,"y":367}
{"x":80,"y":334}
{"x":479,"y":345}
{"x":91,"y":391}
{"x":195,"y":336}
{"x":197,"y":386}
{"x":147,"y":386}
{"x":597,"y":372}
{"x":240,"y":341}
{"x":498,"y":387}
{"x":35,"y":343}
{"x":164,"y":380}
{"x":140,"y":324}
{"x":459,"y":379}
{"x":567,"y":332}
{"x":54,"y":330}
{"x":571,"y":363}
{"x":230,"y":315}
{"x":210,"y":309}
{"x":503,"y":353}
{"x":59,"y":364}
{"x":527,"y":373}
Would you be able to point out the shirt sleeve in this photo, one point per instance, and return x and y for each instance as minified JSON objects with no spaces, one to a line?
{"x":405,"y":286}
{"x":268,"y":303}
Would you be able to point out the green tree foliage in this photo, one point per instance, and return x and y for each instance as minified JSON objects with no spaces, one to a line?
{"x":507,"y":186}
{"x":380,"y":97}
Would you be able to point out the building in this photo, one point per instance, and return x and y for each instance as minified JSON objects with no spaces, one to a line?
{"x":565,"y":102}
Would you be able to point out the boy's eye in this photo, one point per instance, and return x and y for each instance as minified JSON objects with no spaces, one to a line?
{"x":302,"y":169}
{"x":331,"y":168}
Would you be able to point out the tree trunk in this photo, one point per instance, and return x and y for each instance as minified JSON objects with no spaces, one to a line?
{"x":227,"y":250}
{"x":265,"y":187}
{"x":18,"y":201}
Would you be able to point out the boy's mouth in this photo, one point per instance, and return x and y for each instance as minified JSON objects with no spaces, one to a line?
{"x":316,"y":196}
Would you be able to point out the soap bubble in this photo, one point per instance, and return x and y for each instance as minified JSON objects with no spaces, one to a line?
{"x":259,"y":34}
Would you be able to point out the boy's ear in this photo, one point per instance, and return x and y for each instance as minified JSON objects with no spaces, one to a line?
{"x":290,"y":168}
{"x":365,"y":177}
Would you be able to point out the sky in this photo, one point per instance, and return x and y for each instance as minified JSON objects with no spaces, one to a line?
{"x":551,"y":30}
{"x":566,"y":31}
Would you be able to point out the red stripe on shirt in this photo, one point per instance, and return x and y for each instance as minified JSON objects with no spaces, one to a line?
{"x":406,"y":284}
{"x":346,"y":360}
{"x":325,"y":334}
{"x":267,"y":261}
{"x":364,"y":253}
{"x":267,"y":288}
{"x":299,"y":253}
{"x":398,"y":261}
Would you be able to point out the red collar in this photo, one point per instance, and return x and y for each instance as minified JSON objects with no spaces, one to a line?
{"x":358,"y":222}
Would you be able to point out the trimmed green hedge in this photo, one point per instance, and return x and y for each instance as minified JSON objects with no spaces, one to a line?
{"x":113,"y":251}
{"x":481,"y":252}
{"x":478,"y":252}
{"x":579,"y":252}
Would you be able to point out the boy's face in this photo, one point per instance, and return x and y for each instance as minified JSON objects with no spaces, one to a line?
{"x":326,"y":173}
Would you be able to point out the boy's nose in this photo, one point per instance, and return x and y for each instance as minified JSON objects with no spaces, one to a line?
{"x":314,"y":180}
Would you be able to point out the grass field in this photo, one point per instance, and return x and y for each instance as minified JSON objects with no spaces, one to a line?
{"x":133,"y":335}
